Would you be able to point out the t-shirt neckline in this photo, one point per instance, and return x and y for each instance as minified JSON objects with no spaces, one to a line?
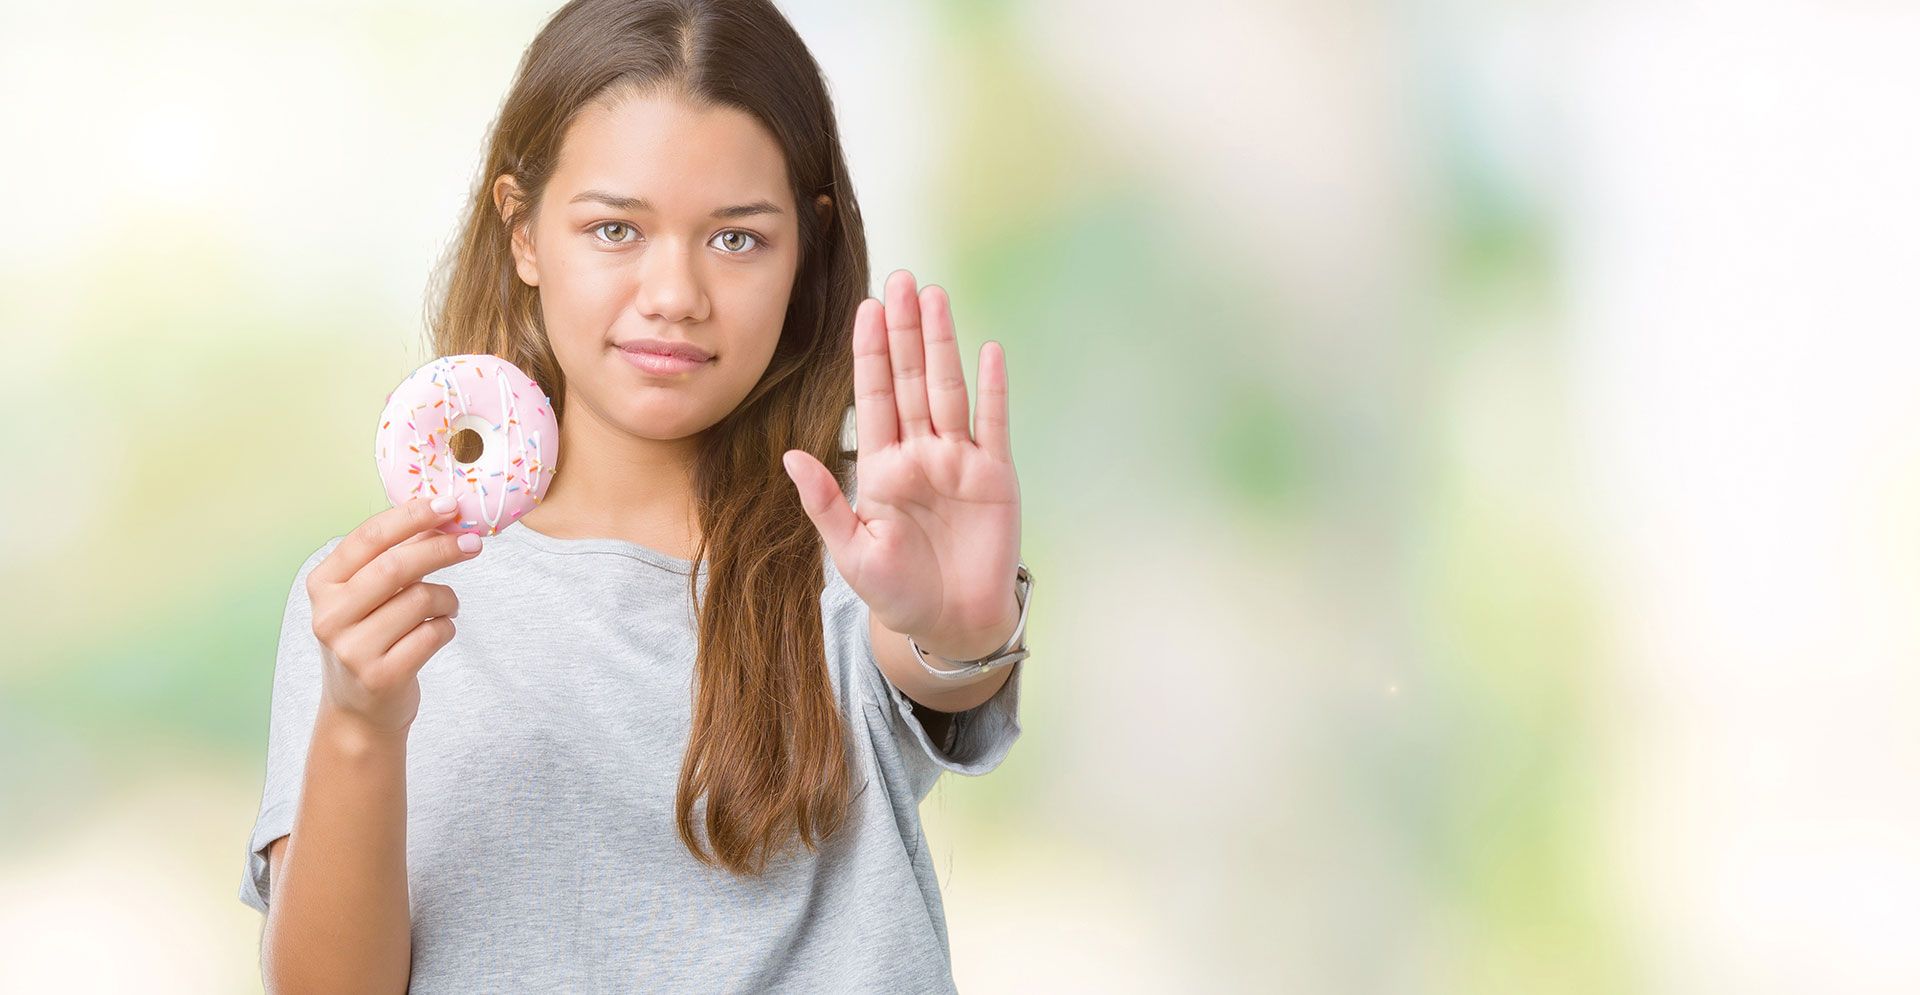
{"x":522,"y":532}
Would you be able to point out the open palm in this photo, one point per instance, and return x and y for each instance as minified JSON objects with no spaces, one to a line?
{"x":934,"y":545}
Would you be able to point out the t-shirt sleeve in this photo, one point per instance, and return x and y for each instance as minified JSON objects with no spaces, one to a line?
{"x":295,"y":704}
{"x":977,"y":739}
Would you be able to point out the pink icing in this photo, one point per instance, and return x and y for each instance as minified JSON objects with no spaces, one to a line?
{"x":489,"y":395}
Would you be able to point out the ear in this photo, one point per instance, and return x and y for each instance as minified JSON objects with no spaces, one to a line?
{"x":823,"y":205}
{"x":506,"y":195}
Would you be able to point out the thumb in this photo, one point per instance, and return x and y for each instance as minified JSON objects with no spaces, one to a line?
{"x":826,"y":505}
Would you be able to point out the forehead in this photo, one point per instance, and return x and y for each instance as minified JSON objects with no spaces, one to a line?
{"x":684,"y":158}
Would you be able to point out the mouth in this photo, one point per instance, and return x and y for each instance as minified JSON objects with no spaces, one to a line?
{"x":662,"y":347}
{"x":667,"y":363}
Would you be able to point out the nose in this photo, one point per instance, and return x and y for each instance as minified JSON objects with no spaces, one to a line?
{"x":670,"y":286}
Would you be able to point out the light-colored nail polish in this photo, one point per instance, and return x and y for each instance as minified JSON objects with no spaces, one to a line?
{"x":469,"y":542}
{"x":443,"y":503}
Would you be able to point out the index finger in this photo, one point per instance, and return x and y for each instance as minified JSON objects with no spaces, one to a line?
{"x":376,"y":535}
{"x":875,"y":418}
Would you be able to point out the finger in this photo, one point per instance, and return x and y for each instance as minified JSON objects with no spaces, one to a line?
{"x":376,"y":535}
{"x":420,"y":644}
{"x":826,"y":506}
{"x":990,"y":430}
{"x":413,"y":604}
{"x":395,"y":569}
{"x":908,"y":355}
{"x":946,"y":381}
{"x":874,"y":420}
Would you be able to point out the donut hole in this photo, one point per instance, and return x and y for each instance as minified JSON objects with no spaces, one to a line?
{"x":467,"y":445}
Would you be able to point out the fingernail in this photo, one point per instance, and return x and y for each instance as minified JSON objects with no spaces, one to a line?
{"x":443,"y":503}
{"x":469,"y":542}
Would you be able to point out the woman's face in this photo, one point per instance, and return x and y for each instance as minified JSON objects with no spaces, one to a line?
{"x":663,"y":221}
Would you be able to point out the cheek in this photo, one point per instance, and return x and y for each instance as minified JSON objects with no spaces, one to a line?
{"x":583,"y":289}
{"x":762,"y":325}
{"x":584,"y":274}
{"x":753,"y":296}
{"x":773,"y":287}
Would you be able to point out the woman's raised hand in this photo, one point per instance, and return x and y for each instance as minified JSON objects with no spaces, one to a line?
{"x":377,"y":621}
{"x":935,"y":543}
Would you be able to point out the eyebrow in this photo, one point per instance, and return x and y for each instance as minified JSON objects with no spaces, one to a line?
{"x":619,"y":203}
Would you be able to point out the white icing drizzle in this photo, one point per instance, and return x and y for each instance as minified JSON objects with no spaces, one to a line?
{"x":445,"y":367}
{"x":506,"y":436}
{"x":449,"y":369}
{"x":444,"y":372}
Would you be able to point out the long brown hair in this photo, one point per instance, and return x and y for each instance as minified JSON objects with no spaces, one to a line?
{"x":767,"y":748}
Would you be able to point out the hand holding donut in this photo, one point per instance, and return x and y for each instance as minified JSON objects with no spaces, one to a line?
{"x":377,"y":621}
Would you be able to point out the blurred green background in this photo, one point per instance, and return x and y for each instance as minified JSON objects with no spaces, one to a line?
{"x":1468,"y":452}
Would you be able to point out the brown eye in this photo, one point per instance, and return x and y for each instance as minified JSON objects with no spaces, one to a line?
{"x":614,"y":224}
{"x":736,"y":242}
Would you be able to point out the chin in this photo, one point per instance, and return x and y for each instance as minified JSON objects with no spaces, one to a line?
{"x":662,"y":415}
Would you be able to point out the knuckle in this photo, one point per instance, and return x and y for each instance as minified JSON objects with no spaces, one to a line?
{"x":322,"y":626}
{"x":347,"y":650}
{"x":367,"y":533}
{"x":386,"y":570}
{"x":377,"y":679}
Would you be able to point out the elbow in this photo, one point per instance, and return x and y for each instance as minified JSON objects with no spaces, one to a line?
{"x":286,"y":968}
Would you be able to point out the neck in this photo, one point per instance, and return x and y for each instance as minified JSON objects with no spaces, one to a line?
{"x":611,"y":483}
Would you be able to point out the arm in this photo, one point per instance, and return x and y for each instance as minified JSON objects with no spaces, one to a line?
{"x":896,"y":660}
{"x":339,"y":920}
{"x":338,"y":916}
{"x":936,"y":538}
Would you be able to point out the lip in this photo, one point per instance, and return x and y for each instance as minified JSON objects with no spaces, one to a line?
{"x":660,"y":364}
{"x":684,"y":350}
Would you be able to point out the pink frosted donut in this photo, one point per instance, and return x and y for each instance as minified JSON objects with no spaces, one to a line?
{"x":481,"y":408}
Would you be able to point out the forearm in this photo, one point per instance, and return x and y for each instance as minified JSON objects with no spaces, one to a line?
{"x":339,"y":917}
{"x":897,"y":662}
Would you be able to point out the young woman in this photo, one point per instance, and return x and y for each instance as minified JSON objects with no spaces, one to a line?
{"x":681,"y":738}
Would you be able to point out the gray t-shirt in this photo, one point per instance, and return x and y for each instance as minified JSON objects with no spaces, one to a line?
{"x":541,"y":770}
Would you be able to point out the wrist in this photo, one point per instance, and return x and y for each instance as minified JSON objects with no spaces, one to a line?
{"x":974,"y":643}
{"x":997,"y":640}
{"x":351,"y":735}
